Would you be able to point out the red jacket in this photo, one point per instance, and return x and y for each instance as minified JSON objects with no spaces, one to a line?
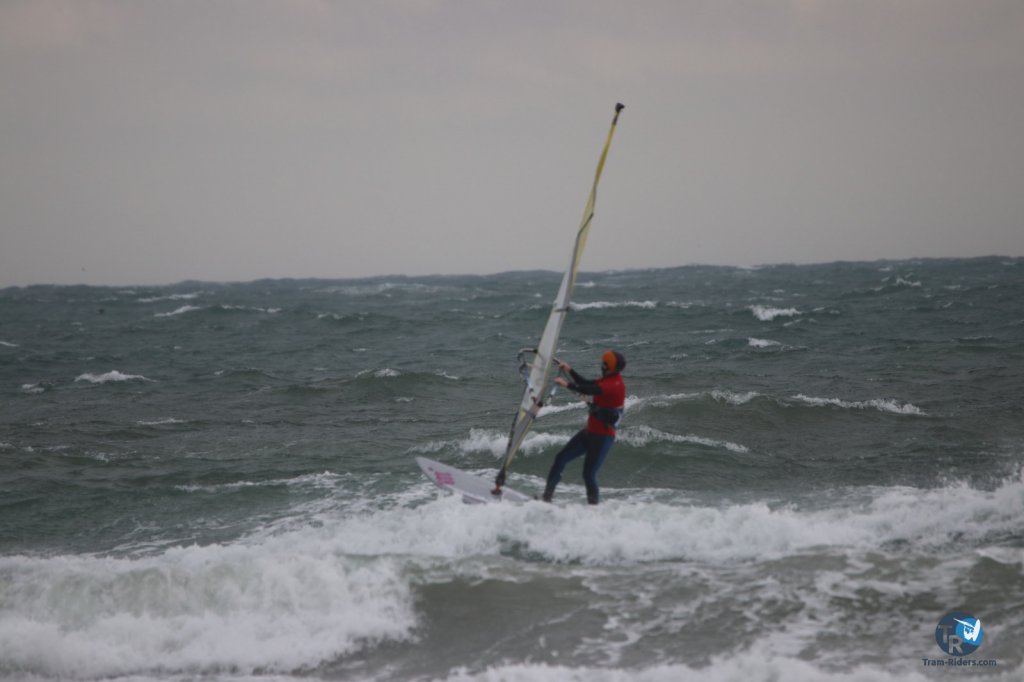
{"x":609,"y":397}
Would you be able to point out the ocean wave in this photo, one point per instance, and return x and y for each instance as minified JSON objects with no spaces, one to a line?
{"x":734,"y":398}
{"x":767,"y":314}
{"x":762,"y":663}
{"x":8,"y":344}
{"x":325,"y":480}
{"x":493,"y":443}
{"x":603,"y":305}
{"x":297,"y":595}
{"x":384,"y":289}
{"x":111,"y":376}
{"x":739,"y":398}
{"x":382,"y":373}
{"x":180,"y":311}
{"x":631,"y":530}
{"x":762,"y":343}
{"x":686,"y":305}
{"x":880,"y":404}
{"x":250,"y":309}
{"x":167,"y":421}
{"x":277,"y":605}
{"x":642,"y":436}
{"x":32,"y":389}
{"x":718,"y":395}
{"x":171,"y":297}
{"x":557,"y":408}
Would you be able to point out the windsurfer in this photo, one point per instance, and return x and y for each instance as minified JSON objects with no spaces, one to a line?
{"x":606,"y":397}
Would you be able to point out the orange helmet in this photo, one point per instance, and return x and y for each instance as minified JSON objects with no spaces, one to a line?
{"x":613,"y":360}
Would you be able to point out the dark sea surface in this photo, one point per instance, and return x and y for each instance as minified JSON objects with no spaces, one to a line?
{"x":218,"y":481}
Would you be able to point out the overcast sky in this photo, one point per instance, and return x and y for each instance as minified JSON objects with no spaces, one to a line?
{"x":153,"y":142}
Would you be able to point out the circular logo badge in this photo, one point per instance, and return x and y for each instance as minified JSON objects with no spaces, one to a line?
{"x":959,"y":633}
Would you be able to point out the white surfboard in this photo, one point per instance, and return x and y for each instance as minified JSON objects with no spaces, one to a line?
{"x":472,"y":488}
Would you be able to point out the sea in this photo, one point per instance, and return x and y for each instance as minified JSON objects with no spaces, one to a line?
{"x":217,"y":481}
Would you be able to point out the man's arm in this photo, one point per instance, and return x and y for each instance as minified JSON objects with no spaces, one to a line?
{"x":579,"y":384}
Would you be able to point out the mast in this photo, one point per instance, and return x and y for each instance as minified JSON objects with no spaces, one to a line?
{"x":541,"y":375}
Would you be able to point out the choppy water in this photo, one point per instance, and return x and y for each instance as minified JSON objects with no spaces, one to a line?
{"x":217,"y":481}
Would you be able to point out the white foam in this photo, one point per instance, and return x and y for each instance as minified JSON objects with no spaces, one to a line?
{"x":381,"y":288}
{"x":112,"y":376}
{"x":759,"y":664}
{"x":180,"y":311}
{"x":734,"y":398}
{"x":557,"y":408}
{"x":8,"y":344}
{"x":722,"y":396}
{"x":278,"y":605}
{"x":880,"y":404}
{"x":762,"y":343}
{"x":576,"y":405}
{"x":325,"y":480}
{"x":494,"y":442}
{"x":312,"y":589}
{"x":641,"y":436}
{"x":172,"y":297}
{"x":385,"y":373}
{"x":602,"y":305}
{"x":159,"y":422}
{"x":635,"y":531}
{"x":32,"y":389}
{"x":668,"y":400}
{"x":245,"y":308}
{"x":767,"y":314}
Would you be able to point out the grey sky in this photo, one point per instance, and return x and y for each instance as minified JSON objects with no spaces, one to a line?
{"x":152,"y":142}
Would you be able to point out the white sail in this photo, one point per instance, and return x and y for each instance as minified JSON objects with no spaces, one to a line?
{"x":542,"y":369}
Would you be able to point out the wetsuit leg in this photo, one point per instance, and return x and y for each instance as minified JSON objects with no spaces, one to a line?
{"x":576,"y":446}
{"x":597,"y":450}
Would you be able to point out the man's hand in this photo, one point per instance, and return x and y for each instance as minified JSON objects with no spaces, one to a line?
{"x":561,"y":382}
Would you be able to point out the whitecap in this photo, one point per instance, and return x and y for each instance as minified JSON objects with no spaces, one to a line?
{"x":734,"y":398}
{"x":385,"y":373}
{"x":171,"y":297}
{"x":270,"y":605}
{"x":763,"y":663}
{"x":880,"y":404}
{"x":493,"y":443}
{"x":180,"y":311}
{"x":641,"y":436}
{"x":767,"y":314}
{"x":113,"y":375}
{"x":601,"y":305}
{"x":245,"y":308}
